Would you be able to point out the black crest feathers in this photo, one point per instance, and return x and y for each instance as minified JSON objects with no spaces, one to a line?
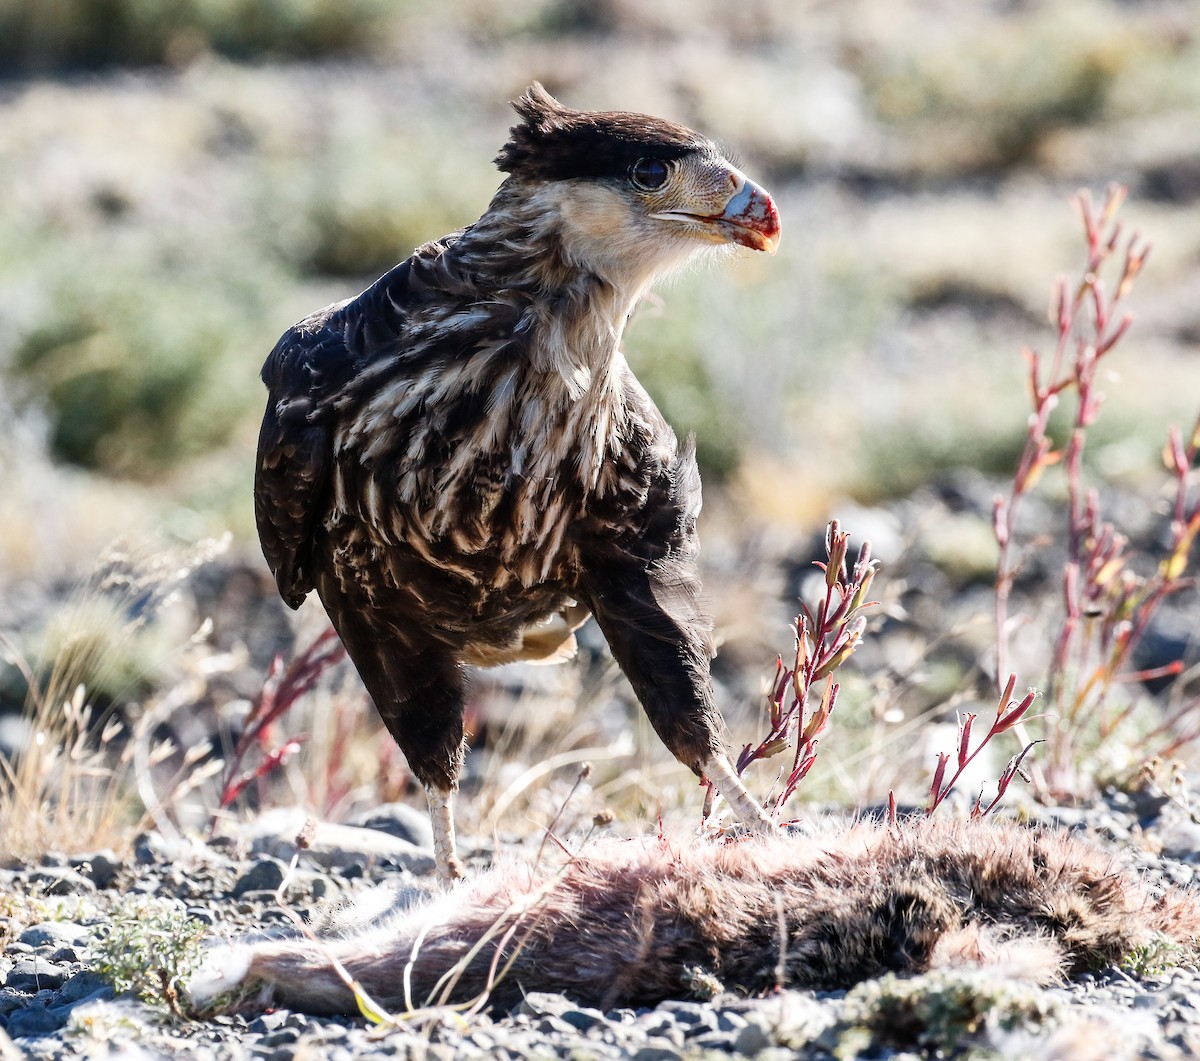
{"x":554,"y":142}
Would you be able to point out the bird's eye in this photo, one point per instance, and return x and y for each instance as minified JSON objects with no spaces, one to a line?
{"x":649,"y":173}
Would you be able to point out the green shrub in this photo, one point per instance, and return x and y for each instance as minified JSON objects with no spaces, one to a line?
{"x":151,"y":948}
{"x":139,"y":361}
{"x":55,"y":34}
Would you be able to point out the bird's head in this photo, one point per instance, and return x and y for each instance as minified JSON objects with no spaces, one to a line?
{"x":632,"y":196}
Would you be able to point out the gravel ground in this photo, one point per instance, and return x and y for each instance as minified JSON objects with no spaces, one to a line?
{"x":54,"y":1004}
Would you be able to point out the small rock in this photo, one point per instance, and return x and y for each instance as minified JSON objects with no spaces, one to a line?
{"x":268,"y":1022}
{"x":663,"y":1027}
{"x":730,"y":1021}
{"x":551,"y":1025}
{"x":302,"y":1022}
{"x":751,"y":1040}
{"x":143,"y":850}
{"x":657,"y":1053}
{"x":11,"y":1000}
{"x":84,"y":985}
{"x":263,"y":897}
{"x":282,"y":1037}
{"x":543,"y":1003}
{"x":722,"y":1041}
{"x":63,"y":882}
{"x":175,"y":851}
{"x":581,"y":1019}
{"x":36,"y":974}
{"x":267,"y":874}
{"x":323,"y":888}
{"x":330,"y":845}
{"x":53,"y":933}
{"x":101,"y":867}
{"x":331,"y":1033}
{"x":694,"y":1016}
{"x":34,"y":1020}
{"x":399,"y":820}
{"x":1180,"y":838}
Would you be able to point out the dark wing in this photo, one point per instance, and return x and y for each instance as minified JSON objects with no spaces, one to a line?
{"x":314,"y":365}
{"x":642,"y":586}
{"x":308,"y":365}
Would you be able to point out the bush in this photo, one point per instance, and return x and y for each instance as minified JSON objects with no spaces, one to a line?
{"x":39,"y":35}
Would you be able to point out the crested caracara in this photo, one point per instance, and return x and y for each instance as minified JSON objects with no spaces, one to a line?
{"x":462,"y":465}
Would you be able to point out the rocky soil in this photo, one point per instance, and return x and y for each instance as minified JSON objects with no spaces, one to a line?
{"x":55,"y":1004}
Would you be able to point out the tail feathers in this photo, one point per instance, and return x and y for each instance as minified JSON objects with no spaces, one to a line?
{"x":632,"y":922}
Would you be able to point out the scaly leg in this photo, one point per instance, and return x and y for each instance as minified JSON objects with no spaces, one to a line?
{"x":725,"y":780}
{"x":441,"y":815}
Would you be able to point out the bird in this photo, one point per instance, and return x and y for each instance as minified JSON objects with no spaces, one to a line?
{"x":462,"y":465}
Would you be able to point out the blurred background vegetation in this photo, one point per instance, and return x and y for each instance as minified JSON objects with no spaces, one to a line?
{"x":183,"y":179}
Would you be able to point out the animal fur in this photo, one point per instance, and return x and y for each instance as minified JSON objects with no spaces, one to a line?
{"x":634,"y":922}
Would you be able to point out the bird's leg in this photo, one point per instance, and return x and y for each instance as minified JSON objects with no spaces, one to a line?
{"x":417,"y":689}
{"x":658,"y":634}
{"x":721,"y":773}
{"x":441,"y":815}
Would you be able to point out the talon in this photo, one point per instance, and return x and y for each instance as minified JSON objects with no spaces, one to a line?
{"x":725,"y":780}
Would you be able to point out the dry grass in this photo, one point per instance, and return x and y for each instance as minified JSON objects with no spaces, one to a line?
{"x":74,"y":785}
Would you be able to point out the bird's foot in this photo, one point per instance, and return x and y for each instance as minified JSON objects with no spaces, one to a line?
{"x":725,"y":780}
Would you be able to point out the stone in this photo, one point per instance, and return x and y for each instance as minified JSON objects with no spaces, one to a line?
{"x":399,"y":820}
{"x":85,"y":985}
{"x":34,"y":1020}
{"x":582,"y":1018}
{"x":282,"y":1037}
{"x":53,"y":933}
{"x":730,"y":1021}
{"x":268,"y":1022}
{"x":751,"y":1040}
{"x":267,"y":874}
{"x":63,"y":882}
{"x":551,"y":1025}
{"x":329,"y":845}
{"x":36,"y":974}
{"x":101,"y":867}
{"x":543,"y":1003}
{"x":656,"y":1053}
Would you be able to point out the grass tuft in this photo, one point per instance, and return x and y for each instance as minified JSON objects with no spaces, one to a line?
{"x":74,"y":784}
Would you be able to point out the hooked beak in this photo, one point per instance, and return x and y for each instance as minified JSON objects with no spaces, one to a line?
{"x":749,"y":218}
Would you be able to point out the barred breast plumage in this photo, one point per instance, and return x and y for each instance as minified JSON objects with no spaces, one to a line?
{"x":461,"y":463}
